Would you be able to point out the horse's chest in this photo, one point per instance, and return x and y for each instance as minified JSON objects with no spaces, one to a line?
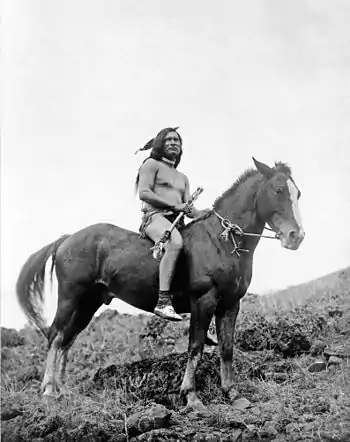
{"x":234,"y":278}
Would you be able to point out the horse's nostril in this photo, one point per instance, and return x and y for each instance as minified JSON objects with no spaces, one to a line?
{"x":293,"y":235}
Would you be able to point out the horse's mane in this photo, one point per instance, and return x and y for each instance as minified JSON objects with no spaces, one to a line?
{"x":241,"y":179}
{"x":279,"y":167}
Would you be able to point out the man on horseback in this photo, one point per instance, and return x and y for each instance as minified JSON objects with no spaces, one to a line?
{"x":164,"y":192}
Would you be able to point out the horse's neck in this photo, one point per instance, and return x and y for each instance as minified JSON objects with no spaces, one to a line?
{"x":238,"y":205}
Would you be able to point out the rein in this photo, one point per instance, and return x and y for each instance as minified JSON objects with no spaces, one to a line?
{"x":231,"y":230}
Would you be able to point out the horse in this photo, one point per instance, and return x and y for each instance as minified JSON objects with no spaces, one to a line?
{"x":212,"y":274}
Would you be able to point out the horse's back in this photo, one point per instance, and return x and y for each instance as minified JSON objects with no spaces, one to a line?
{"x":89,"y":247}
{"x":102,"y":232}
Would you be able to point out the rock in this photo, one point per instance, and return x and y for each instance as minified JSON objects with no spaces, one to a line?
{"x":317,"y":366}
{"x":308,"y":427}
{"x":256,"y":411}
{"x":160,"y":435}
{"x":334,"y":360}
{"x":215,"y":436}
{"x":241,"y":404}
{"x":340,"y":351}
{"x":154,"y":417}
{"x":156,"y":436}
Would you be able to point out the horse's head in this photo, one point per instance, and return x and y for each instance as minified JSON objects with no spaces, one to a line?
{"x":277,"y":204}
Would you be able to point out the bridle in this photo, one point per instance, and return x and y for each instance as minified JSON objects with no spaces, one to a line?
{"x":231,"y":230}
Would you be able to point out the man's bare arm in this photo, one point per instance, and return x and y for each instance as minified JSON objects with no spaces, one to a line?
{"x":195,"y":213}
{"x":148,"y":172}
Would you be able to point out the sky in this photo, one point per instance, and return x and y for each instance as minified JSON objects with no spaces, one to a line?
{"x":86,"y":83}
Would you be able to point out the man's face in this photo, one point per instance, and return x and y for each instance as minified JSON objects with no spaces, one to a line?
{"x":172,"y":145}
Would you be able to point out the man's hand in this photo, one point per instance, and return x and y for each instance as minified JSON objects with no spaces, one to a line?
{"x":183,"y":207}
{"x":197,"y":214}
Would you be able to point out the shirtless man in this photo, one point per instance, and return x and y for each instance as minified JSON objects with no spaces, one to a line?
{"x":164,"y":192}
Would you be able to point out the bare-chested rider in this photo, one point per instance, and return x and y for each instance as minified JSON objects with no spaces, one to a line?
{"x":164,"y":192}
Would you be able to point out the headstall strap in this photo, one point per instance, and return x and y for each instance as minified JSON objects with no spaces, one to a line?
{"x":230,"y":230}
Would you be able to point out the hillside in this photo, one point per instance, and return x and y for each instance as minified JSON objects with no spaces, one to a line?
{"x":321,"y":291}
{"x":125,"y":370}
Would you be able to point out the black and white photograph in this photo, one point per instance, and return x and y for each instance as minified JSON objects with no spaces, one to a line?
{"x":175,"y":220}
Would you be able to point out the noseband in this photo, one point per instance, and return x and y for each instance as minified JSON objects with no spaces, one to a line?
{"x":231,"y":230}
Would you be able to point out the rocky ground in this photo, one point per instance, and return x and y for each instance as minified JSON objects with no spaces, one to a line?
{"x":292,"y":370}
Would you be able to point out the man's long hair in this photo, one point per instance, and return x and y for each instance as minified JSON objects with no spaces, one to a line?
{"x":157,"y":152}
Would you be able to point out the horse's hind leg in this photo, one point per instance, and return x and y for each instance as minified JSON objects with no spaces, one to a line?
{"x":225,"y":318}
{"x":202,"y":311}
{"x":85,"y":310}
{"x":74,"y":304}
{"x":65,"y":310}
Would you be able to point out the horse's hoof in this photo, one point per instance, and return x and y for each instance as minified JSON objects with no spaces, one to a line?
{"x":48,"y":393}
{"x":196,"y":405}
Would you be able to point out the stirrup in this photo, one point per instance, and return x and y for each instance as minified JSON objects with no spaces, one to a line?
{"x":167,"y":312}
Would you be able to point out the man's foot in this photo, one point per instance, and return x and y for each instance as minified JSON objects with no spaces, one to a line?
{"x":167,"y":312}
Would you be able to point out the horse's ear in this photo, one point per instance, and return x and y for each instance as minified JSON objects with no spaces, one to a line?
{"x":266,"y":170}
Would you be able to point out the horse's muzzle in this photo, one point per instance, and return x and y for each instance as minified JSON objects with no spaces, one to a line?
{"x":292,"y":238}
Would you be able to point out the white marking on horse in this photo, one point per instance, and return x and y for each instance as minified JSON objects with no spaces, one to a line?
{"x":293,"y":192}
{"x":50,"y":292}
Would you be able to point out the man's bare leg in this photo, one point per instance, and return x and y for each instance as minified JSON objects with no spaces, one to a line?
{"x":155,"y":231}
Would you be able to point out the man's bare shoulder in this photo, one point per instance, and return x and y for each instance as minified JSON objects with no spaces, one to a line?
{"x":150,"y":165}
{"x":183,"y":176}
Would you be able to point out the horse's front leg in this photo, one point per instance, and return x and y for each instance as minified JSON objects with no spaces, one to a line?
{"x":225,"y":319}
{"x":202,"y":311}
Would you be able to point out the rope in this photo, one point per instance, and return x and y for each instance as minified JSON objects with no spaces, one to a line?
{"x":231,"y":229}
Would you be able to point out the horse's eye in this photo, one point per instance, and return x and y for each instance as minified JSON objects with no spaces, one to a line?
{"x":279,"y":190}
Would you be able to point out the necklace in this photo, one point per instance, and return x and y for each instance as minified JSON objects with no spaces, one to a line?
{"x":170,"y":162}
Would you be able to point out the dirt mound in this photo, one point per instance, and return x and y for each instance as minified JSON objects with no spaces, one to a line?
{"x":290,"y":335}
{"x":159,"y":380}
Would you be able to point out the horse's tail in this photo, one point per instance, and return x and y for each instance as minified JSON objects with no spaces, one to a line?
{"x":30,"y":284}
